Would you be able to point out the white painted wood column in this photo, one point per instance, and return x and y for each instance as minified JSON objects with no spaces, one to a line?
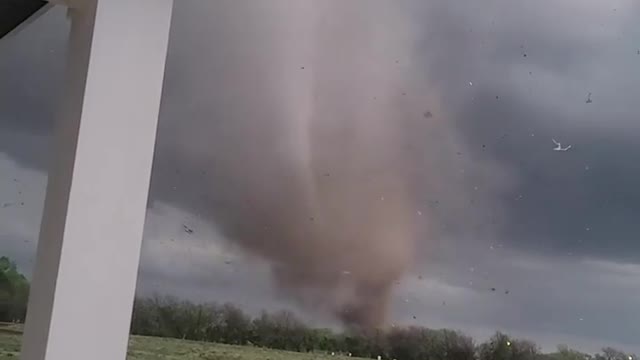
{"x":91,"y":233}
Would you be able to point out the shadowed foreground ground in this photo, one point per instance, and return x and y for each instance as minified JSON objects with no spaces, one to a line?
{"x":147,"y":348}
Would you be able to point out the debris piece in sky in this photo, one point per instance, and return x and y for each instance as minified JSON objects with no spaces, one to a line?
{"x":559,"y":146}
{"x":428,"y":115}
{"x":420,"y":277}
{"x":228,"y":262}
{"x":302,"y":68}
{"x":346,"y":272}
{"x":187,"y":229}
{"x":414,"y":317}
{"x":493,"y":289}
{"x":589,"y":101}
{"x":5,"y":205}
{"x":470,"y":83}
{"x":506,"y":292}
{"x":419,"y":212}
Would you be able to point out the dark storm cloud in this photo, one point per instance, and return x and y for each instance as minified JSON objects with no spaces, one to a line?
{"x":531,"y":78}
{"x":458,"y":44}
{"x":32,"y":65}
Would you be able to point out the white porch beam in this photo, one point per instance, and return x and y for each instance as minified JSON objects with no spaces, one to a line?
{"x":90,"y":238}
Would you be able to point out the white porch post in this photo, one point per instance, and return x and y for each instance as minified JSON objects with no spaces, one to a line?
{"x":91,"y":233}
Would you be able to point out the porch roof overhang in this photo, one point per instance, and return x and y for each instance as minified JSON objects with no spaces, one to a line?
{"x":13,"y":13}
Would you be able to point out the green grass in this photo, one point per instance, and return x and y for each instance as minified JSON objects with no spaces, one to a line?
{"x":148,"y":348}
{"x":144,"y":348}
{"x":9,"y":345}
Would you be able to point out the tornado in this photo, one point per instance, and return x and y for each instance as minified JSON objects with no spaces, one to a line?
{"x":304,"y":123}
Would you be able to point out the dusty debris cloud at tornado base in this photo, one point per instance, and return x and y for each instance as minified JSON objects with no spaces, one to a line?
{"x":308,"y":141}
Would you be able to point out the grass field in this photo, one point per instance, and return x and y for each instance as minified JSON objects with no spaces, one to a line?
{"x":146,"y":348}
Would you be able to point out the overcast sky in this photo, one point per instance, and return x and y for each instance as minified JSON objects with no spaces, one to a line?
{"x":482,"y":88}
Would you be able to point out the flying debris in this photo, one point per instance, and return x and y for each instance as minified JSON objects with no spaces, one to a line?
{"x":428,"y":115}
{"x":493,"y":289}
{"x":589,"y":101}
{"x":187,"y":229}
{"x":346,"y":272}
{"x":559,"y":146}
{"x":6,"y":205}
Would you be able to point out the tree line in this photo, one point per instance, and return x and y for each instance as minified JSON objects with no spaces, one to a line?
{"x":225,"y":323}
{"x":14,"y":292}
